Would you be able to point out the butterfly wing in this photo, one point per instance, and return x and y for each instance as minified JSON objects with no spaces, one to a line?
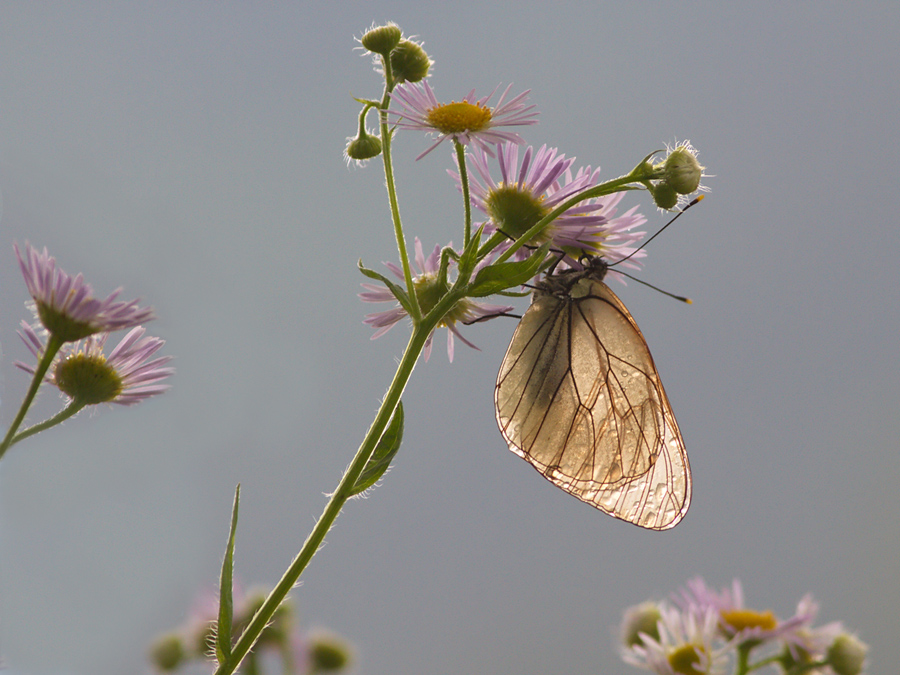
{"x":578,"y":396}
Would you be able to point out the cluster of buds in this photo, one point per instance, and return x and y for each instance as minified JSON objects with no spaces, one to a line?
{"x":316,"y":651}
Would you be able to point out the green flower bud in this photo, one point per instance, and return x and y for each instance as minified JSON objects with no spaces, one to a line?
{"x":382,"y":39}
{"x":409,"y":62}
{"x":167,"y":653}
{"x":682,"y":170}
{"x":88,"y":379}
{"x":847,"y":654}
{"x":664,"y":195}
{"x":362,"y":148}
{"x":327,"y":652}
{"x":643,"y":618}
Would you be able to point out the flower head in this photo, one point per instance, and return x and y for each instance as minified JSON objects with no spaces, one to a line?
{"x":66,"y":306}
{"x":706,"y":626}
{"x":684,"y":645}
{"x":429,"y":289}
{"x":463,"y":121}
{"x":529,"y":190}
{"x":739,"y":622}
{"x":82,"y":372}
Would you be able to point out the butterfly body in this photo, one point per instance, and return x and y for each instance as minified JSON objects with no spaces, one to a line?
{"x":578,"y":396}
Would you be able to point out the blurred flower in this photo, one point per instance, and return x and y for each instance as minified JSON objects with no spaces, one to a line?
{"x":282,"y":646}
{"x":736,"y":620}
{"x":639,"y":621}
{"x":708,"y":626}
{"x":429,"y":290}
{"x":847,"y":655}
{"x":66,"y":306}
{"x":529,"y":190}
{"x":684,"y":646}
{"x":82,"y":372}
{"x":328,"y":652}
{"x":464,"y":121}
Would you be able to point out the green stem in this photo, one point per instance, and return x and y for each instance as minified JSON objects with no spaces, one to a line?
{"x":742,"y":667}
{"x":53,"y":346}
{"x":344,"y":489}
{"x":69,"y":411}
{"x":464,"y":182}
{"x":416,"y":313}
{"x":609,"y":187}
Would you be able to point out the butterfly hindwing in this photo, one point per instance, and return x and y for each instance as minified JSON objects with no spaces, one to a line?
{"x":578,"y":396}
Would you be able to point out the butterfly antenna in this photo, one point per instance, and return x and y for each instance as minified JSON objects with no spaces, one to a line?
{"x":678,"y":215}
{"x":683,"y":299}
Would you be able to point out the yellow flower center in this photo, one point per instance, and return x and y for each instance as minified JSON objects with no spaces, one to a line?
{"x":686,"y":658}
{"x":737,"y":620}
{"x":454,"y":118}
{"x":87,"y":379}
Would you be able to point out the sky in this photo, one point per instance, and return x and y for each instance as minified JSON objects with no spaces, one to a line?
{"x":192,"y":153}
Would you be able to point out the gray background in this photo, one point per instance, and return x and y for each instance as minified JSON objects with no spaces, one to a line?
{"x":192,"y":153}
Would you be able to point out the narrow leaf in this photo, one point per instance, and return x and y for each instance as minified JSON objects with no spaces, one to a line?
{"x":226,"y":600}
{"x":387,"y":447}
{"x":467,"y":259}
{"x":398,"y":291}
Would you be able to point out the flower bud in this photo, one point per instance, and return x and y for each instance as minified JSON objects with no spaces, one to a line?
{"x":682,"y":170}
{"x":382,"y":39}
{"x":409,"y":62}
{"x":167,"y":653}
{"x":362,"y":148}
{"x":847,"y":654}
{"x":643,"y":618}
{"x":664,"y":195}
{"x":327,"y":652}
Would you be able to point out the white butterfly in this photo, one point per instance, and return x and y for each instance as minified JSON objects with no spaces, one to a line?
{"x":579,"y":397}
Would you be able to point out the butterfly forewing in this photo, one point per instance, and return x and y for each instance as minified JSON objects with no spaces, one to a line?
{"x":578,"y":396}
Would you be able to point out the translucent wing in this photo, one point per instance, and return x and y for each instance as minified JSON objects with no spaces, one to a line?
{"x":578,"y":396}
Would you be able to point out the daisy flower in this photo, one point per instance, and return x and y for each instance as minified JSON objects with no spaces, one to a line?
{"x":82,"y":372}
{"x":528,"y":190}
{"x":429,"y":289}
{"x":468,"y":120}
{"x":66,"y":306}
{"x":684,"y":645}
{"x":739,"y":622}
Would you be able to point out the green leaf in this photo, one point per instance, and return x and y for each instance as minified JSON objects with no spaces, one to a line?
{"x":502,"y":276}
{"x":387,"y":447}
{"x":397,"y":291}
{"x":467,"y":259}
{"x":226,"y":600}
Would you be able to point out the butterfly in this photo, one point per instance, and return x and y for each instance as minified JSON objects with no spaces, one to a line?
{"x":578,"y":397}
